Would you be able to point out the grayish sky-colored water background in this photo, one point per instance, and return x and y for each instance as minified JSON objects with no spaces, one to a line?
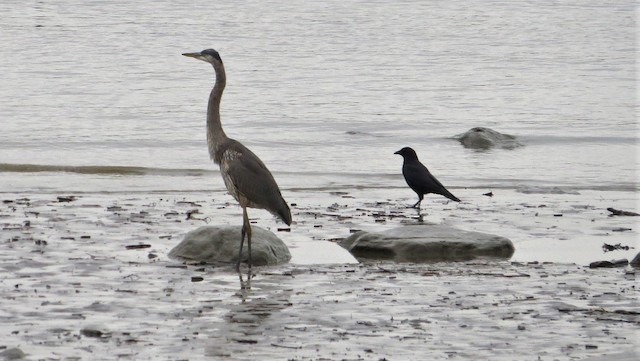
{"x":323,"y":92}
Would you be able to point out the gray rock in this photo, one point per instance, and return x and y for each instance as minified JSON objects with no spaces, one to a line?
{"x":427,"y":243}
{"x":213,"y":244}
{"x":485,"y":138}
{"x":630,"y":355}
{"x":12,"y":354}
{"x":609,"y":264}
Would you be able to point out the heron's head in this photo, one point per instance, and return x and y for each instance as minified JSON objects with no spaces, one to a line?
{"x":209,"y":55}
{"x":407,"y":153}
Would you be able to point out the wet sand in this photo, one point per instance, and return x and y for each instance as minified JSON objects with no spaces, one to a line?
{"x":86,"y":276}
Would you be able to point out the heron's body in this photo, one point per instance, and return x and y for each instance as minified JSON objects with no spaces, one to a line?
{"x":240,"y":169}
{"x":419,"y":178}
{"x":246,"y":177}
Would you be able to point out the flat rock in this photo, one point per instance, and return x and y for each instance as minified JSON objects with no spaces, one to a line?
{"x":427,"y":243}
{"x":486,"y":138}
{"x":609,"y":264}
{"x":624,"y":356}
{"x":220,"y":244}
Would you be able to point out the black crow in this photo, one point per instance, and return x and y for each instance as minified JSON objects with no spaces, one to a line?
{"x":419,"y":178}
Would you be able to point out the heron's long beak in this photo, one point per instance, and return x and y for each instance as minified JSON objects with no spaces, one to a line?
{"x":193,"y":55}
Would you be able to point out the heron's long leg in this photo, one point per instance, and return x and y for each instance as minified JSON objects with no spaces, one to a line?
{"x":243,"y":232}
{"x":247,"y":227}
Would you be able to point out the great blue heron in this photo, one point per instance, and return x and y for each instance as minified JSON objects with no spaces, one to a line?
{"x":245,"y":176}
{"x":419,"y":178}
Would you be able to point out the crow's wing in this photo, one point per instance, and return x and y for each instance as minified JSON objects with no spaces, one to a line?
{"x":422,"y":181}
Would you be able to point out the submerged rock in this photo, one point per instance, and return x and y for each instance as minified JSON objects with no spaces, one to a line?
{"x":427,"y":243}
{"x":545,"y":190}
{"x":213,"y":244}
{"x":485,"y":138}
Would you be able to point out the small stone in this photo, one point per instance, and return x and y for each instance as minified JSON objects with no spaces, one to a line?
{"x":137,"y":246}
{"x":91,"y":333}
{"x":11,"y":354}
{"x":66,"y":198}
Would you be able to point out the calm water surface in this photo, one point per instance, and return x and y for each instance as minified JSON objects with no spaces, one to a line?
{"x":324,"y":92}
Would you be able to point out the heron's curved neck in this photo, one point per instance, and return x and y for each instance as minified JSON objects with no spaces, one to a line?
{"x":215,"y":134}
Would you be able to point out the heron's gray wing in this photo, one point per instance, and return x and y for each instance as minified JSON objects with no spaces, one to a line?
{"x":255,"y":183}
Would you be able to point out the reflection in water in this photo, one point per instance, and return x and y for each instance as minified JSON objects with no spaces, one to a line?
{"x":245,"y":287}
{"x":250,"y":321}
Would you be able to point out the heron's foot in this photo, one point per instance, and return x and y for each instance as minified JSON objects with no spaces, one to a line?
{"x":245,"y":285}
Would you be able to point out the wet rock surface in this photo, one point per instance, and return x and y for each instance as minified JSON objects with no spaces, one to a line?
{"x":486,"y":138}
{"x":220,"y":245}
{"x":427,"y":243}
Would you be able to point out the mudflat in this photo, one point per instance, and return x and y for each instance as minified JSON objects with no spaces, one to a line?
{"x":87,"y":276}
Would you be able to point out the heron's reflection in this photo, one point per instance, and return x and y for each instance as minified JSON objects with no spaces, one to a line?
{"x":250,"y":316}
{"x":245,"y":286}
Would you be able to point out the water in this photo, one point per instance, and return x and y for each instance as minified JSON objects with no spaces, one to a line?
{"x":326,"y":90}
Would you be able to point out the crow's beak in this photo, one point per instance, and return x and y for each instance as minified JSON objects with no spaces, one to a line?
{"x":398,"y":152}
